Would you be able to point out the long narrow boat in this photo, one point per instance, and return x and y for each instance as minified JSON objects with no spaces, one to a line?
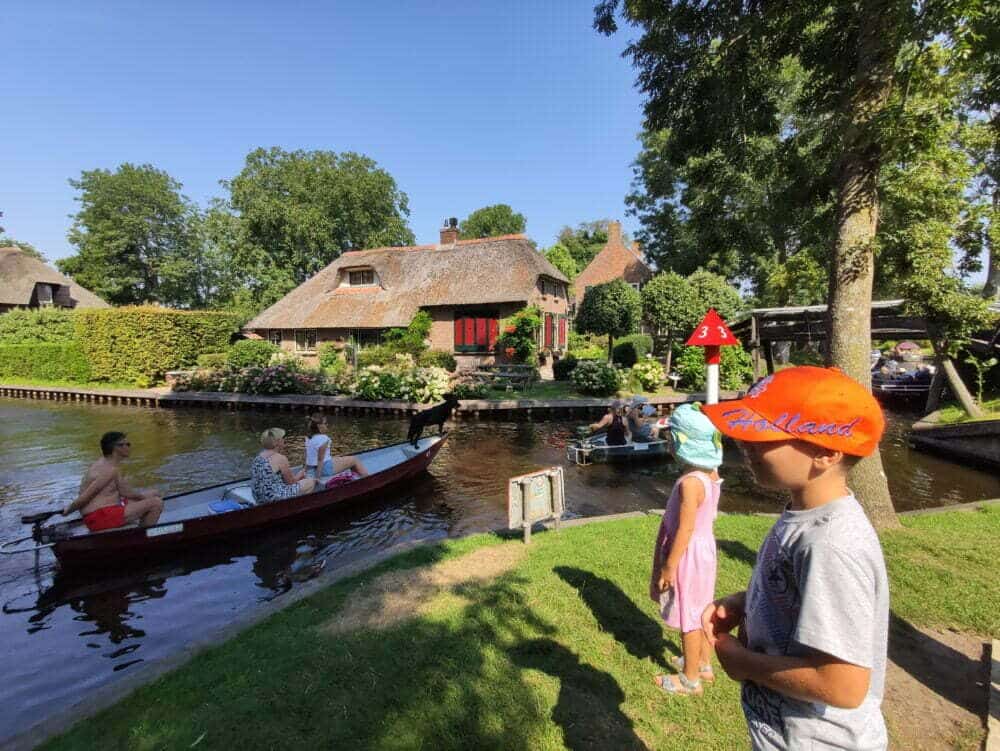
{"x":188,"y":518}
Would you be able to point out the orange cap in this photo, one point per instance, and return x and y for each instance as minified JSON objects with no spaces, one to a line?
{"x":818,"y":405}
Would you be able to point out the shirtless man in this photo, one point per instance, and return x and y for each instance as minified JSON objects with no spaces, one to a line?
{"x":106,"y":499}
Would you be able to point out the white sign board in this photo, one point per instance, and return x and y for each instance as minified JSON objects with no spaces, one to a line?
{"x":535,"y":497}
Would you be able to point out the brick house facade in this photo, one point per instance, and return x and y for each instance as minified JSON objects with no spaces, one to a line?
{"x":467,"y":287}
{"x":615,"y":261}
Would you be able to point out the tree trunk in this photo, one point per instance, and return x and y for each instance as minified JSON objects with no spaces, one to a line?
{"x":852,"y":271}
{"x":991,"y":290}
{"x":611,"y":346}
{"x":959,"y":389}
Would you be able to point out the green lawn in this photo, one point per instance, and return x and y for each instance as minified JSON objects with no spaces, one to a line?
{"x":952,"y":412}
{"x":559,"y":651}
{"x":11,"y":381}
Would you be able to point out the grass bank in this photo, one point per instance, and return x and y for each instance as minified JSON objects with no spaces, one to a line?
{"x":952,"y":412}
{"x":557,"y":648}
{"x":9,"y":381}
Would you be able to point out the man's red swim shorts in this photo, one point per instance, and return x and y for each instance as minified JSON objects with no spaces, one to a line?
{"x":106,"y":517}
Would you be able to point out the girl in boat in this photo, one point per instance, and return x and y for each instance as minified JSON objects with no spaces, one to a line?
{"x":319,"y":461}
{"x":271,"y":476}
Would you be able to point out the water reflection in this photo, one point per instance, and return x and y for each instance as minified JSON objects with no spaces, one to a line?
{"x":66,"y":633}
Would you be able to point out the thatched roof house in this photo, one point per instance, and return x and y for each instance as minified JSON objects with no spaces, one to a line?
{"x":26,"y":282}
{"x":466,"y":286}
{"x":615,"y":261}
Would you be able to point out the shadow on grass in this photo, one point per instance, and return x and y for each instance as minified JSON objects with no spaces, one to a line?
{"x":588,"y":707}
{"x":737,"y":551}
{"x":641,"y":635}
{"x":943,"y":669}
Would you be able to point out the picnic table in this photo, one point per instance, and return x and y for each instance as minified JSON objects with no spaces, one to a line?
{"x":507,"y":376}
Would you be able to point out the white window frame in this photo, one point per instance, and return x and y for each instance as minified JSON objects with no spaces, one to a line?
{"x":372,"y":283}
{"x":308,"y":333}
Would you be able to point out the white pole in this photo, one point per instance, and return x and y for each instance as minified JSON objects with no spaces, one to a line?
{"x":712,"y":384}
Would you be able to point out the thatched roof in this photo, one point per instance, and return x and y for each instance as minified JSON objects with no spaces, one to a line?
{"x":19,"y":273}
{"x":469,"y":272}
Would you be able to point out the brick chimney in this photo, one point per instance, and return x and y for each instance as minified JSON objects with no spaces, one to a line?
{"x":449,"y":232}
{"x":614,"y":233}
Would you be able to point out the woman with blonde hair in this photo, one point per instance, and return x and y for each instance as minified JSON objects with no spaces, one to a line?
{"x":271,"y":476}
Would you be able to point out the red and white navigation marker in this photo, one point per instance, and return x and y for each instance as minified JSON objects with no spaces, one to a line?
{"x":712,"y":334}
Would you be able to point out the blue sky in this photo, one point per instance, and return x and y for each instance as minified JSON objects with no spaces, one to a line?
{"x":464,"y":103}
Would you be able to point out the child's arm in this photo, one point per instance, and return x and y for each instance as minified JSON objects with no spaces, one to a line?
{"x":817,"y":677}
{"x":691,"y":497}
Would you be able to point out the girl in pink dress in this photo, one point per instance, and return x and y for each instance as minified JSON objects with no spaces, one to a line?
{"x":684,"y":561}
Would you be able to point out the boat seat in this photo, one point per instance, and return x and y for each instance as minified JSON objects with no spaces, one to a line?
{"x":241,"y":493}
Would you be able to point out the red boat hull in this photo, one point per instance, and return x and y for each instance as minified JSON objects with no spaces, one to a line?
{"x":131,"y":543}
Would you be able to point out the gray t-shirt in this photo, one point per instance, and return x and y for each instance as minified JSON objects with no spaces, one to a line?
{"x":819,"y":584}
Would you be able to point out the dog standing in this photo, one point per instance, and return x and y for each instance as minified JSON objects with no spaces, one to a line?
{"x":436,"y":415}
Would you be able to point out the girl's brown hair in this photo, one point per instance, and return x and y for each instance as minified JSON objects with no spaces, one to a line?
{"x":312,"y":424}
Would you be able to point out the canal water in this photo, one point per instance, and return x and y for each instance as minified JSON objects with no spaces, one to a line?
{"x":65,"y":634}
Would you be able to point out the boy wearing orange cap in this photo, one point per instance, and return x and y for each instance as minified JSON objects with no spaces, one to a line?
{"x":813,"y":623}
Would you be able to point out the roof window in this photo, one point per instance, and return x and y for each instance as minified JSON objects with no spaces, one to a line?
{"x":361,"y":278}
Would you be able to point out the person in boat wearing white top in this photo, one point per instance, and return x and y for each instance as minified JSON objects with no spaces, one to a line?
{"x":319,"y":461}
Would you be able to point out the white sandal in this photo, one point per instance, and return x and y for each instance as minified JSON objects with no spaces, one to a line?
{"x":705,"y":672}
{"x":684,"y":686}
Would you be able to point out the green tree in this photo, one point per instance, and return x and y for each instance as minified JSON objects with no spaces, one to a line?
{"x":134,"y":237}
{"x":586,"y":241}
{"x":6,"y":241}
{"x":492,"y":221}
{"x":707,"y":71}
{"x":669,"y":305}
{"x":299,"y":210}
{"x":560,"y":257}
{"x":611,"y":309}
{"x":713,"y":291}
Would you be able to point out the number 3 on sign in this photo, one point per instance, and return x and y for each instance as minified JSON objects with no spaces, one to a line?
{"x":703,"y":332}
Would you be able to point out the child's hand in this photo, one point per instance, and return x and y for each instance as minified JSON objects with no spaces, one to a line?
{"x":668,"y":577}
{"x":722,"y":616}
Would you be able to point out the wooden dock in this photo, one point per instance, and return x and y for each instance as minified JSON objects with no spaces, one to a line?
{"x":468,"y":408}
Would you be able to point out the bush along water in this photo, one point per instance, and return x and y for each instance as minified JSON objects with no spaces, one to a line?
{"x":631,"y":349}
{"x":44,"y":362}
{"x":249,"y":353}
{"x":596,"y":378}
{"x":648,"y":373}
{"x":735,"y":368}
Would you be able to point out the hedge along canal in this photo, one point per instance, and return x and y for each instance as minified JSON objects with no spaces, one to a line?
{"x":68,"y":634}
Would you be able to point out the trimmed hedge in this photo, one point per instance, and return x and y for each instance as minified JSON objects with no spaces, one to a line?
{"x":140,"y":344}
{"x":44,"y":326}
{"x":44,"y":362}
{"x":215,"y":360}
{"x":251,"y":353}
{"x":562,"y":367}
{"x":630,"y":349}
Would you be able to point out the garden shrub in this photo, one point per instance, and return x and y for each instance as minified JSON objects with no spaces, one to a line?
{"x":424,"y":385}
{"x":376,"y":383}
{"x":649,"y":373}
{"x":276,"y":379}
{"x":735,"y":369}
{"x":249,"y":353}
{"x":43,"y":326}
{"x":413,"y":338}
{"x":631,"y":349}
{"x":518,"y":338}
{"x":44,"y":362}
{"x":437,"y":358}
{"x":142,"y":343}
{"x":596,"y":378}
{"x":380,"y":354}
{"x":562,"y":367}
{"x":471,"y":390}
{"x":217,"y":360}
{"x":329,"y":355}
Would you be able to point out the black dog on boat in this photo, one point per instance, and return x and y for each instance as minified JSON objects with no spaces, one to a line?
{"x":436,"y":415}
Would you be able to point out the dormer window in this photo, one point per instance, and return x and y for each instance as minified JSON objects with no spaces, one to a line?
{"x":361,"y":278}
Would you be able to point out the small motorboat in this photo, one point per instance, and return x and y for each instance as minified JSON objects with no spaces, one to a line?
{"x":590,"y":450}
{"x":203,"y":516}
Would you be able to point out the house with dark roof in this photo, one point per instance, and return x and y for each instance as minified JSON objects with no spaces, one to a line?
{"x":467,"y":287}
{"x":615,"y":261}
{"x":27,"y":282}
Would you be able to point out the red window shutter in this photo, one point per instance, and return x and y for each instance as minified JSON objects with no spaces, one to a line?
{"x":494,"y":332}
{"x":470,"y":332}
{"x":482,"y":336}
{"x":562,"y":332}
{"x":548,"y":330}
{"x":459,"y":341}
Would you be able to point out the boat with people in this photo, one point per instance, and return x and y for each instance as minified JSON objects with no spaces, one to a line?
{"x":211,"y":513}
{"x":596,"y":450}
{"x":621,"y":435}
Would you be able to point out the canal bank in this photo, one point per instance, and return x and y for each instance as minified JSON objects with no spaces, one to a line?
{"x":468,"y":408}
{"x":570,"y":609}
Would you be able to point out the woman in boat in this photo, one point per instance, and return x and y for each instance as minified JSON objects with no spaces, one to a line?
{"x":641,"y":431}
{"x":319,"y":462}
{"x":271,"y":476}
{"x":613,"y":423}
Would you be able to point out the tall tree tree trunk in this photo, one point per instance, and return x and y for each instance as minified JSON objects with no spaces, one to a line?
{"x":957,"y":385}
{"x":611,"y":348}
{"x":991,"y":290}
{"x":934,"y":395}
{"x":852,"y":271}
